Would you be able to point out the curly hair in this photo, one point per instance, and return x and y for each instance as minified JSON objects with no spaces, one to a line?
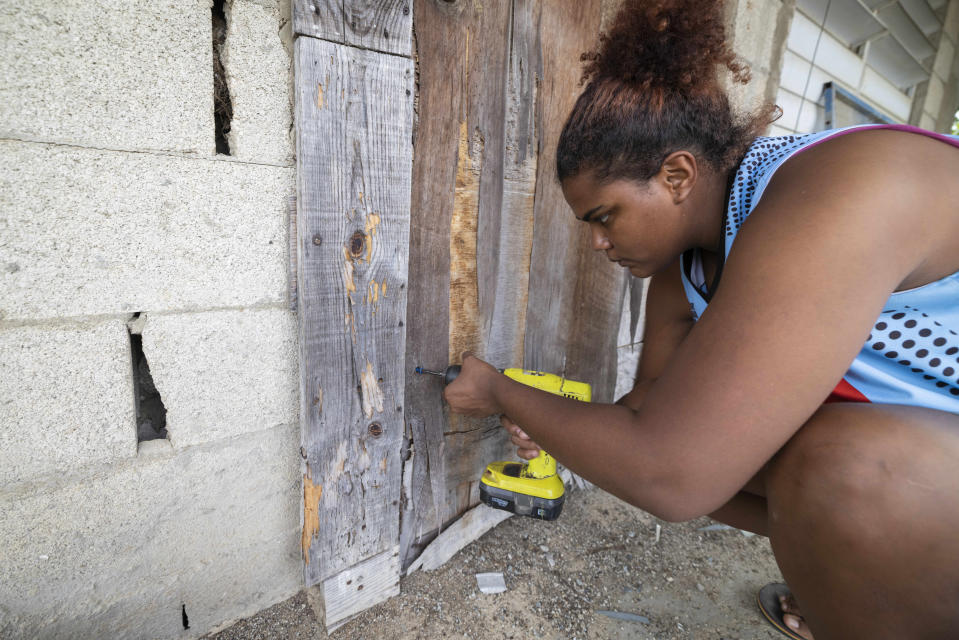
{"x":654,"y":88}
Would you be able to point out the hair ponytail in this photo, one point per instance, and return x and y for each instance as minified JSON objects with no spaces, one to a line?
{"x":654,"y":88}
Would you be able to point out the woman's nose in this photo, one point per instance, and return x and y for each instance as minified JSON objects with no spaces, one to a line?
{"x":599,"y":240}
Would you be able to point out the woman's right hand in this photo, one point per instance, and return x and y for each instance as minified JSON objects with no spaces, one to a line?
{"x":525,"y":448}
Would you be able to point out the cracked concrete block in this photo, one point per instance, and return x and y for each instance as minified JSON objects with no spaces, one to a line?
{"x":224,"y":373}
{"x":257,"y":58}
{"x":66,"y":398}
{"x":96,"y":73}
{"x":89,"y":232}
{"x":117,"y":554}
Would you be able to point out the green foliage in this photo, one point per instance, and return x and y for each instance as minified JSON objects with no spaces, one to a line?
{"x":955,"y":125}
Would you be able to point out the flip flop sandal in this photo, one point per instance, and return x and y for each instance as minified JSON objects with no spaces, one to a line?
{"x":768,"y":600}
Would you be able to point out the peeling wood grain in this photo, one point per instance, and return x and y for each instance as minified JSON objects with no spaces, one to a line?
{"x":372,"y":394}
{"x":413,"y":530}
{"x":463,"y":286}
{"x":311,"y":513}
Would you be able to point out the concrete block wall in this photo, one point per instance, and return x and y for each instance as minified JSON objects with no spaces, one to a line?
{"x":114,"y":202}
{"x":758,"y":30}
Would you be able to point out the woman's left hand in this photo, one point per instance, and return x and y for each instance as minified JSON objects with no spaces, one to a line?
{"x":471,"y":393}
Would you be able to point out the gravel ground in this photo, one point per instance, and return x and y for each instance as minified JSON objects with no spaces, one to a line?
{"x":600,"y":555}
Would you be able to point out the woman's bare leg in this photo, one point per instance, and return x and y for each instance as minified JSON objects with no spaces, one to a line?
{"x":748,"y":511}
{"x":863,"y":508}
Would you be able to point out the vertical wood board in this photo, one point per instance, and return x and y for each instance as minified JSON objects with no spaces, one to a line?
{"x":434,"y":176}
{"x":573,"y":308}
{"x":360,"y":587}
{"x":456,"y":250}
{"x":354,"y":158}
{"x":380,"y":25}
{"x":504,"y":292}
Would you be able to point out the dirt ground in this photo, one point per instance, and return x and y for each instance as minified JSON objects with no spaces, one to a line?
{"x":600,"y":555}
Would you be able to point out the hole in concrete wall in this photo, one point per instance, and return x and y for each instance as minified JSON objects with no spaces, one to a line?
{"x":151,"y":414}
{"x":186,"y":621}
{"x":222,"y":105}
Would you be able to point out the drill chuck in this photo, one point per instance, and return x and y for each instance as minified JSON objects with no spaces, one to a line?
{"x":448,"y":376}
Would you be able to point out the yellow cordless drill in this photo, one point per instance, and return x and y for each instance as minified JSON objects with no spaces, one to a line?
{"x":532,"y":488}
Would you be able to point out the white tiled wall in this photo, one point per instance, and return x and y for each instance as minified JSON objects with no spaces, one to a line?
{"x":815,"y":56}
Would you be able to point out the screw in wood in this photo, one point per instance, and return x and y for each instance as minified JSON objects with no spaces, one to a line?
{"x":317,"y":240}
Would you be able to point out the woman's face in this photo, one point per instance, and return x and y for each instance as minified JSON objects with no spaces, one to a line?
{"x":637,"y":225}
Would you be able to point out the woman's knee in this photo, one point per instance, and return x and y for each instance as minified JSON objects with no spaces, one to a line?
{"x":852,"y":465}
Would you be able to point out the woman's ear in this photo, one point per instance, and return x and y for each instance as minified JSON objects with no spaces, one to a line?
{"x":678,"y":174}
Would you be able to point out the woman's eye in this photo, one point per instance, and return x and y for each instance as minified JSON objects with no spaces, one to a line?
{"x":603,"y":218}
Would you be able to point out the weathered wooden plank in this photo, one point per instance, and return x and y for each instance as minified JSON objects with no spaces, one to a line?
{"x":471,"y":526}
{"x":354,"y":158}
{"x":380,"y":25}
{"x":462,"y":49}
{"x":487,"y":117}
{"x":358,"y":588}
{"x":591,"y":345}
{"x":503,"y":264}
{"x":383,"y":25}
{"x":478,"y":197}
{"x":434,"y":175}
{"x":319,"y":18}
{"x":573,"y":307}
{"x":489,"y":258}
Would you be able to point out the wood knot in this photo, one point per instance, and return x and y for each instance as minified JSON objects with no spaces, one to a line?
{"x":375,"y":429}
{"x":357,"y":244}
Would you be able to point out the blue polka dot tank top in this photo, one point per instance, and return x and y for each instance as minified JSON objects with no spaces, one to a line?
{"x":912,"y":354}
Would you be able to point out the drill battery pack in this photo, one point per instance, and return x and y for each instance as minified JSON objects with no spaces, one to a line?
{"x":507,"y":486}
